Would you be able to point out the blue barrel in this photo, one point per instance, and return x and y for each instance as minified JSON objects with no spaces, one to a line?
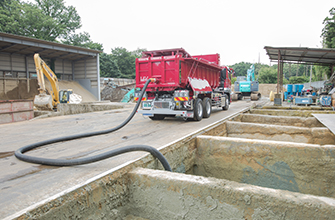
{"x":285,"y":95}
{"x":295,"y":87}
{"x":314,"y":93}
{"x":301,"y":86}
{"x":289,"y":88}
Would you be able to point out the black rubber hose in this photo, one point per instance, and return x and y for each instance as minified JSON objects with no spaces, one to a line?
{"x":58,"y":162}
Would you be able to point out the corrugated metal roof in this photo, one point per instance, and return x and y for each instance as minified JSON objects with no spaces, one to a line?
{"x":302,"y":55}
{"x":10,"y":43}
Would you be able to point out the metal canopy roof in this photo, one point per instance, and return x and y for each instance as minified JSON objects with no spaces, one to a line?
{"x":302,"y":55}
{"x":14,"y":44}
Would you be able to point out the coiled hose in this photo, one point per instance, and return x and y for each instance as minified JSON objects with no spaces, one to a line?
{"x":59,"y":162}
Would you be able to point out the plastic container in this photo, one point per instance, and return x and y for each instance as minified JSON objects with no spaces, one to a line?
{"x":300,"y":86}
{"x":295,"y":88}
{"x":325,"y":100}
{"x":289,"y":88}
{"x":271,"y":96}
{"x":285,"y":95}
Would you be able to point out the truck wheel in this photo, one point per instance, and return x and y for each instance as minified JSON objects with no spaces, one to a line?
{"x":157,"y":117}
{"x":207,"y":107}
{"x":198,"y":110}
{"x":226,"y":107}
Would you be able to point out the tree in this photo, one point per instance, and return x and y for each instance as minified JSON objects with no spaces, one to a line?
{"x":138,"y":52}
{"x":267,"y":75}
{"x":47,"y":19}
{"x":126,"y":60}
{"x":82,"y":40}
{"x":328,"y":32}
{"x":233,"y":80}
{"x":66,"y":18}
{"x":241,"y":68}
{"x":108,"y":66}
{"x":298,"y":79}
{"x":9,"y":16}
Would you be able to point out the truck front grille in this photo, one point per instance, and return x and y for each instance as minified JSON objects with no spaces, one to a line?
{"x":161,"y":104}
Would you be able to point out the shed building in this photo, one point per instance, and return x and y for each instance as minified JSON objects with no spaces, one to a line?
{"x":68,"y":62}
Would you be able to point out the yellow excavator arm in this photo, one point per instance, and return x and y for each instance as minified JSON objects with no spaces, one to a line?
{"x":41,"y":99}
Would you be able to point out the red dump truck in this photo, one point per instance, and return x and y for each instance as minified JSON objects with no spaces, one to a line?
{"x":186,"y":86}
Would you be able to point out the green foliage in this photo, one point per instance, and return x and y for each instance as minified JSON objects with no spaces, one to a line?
{"x":267,"y":75}
{"x":125,"y":61}
{"x":82,"y":40}
{"x":233,"y":80}
{"x":285,"y":81}
{"x":298,"y":79}
{"x":66,"y":19}
{"x":47,"y":19}
{"x":9,"y":14}
{"x":328,"y":40}
{"x":120,"y":63}
{"x":241,"y":68}
{"x":108,"y":66}
{"x":328,"y":32}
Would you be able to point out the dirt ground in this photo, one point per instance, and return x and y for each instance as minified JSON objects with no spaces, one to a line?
{"x":264,"y":89}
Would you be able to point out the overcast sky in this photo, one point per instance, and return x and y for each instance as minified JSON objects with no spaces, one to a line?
{"x":237,"y":30}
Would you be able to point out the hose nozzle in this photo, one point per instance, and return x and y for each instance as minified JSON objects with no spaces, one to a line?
{"x":153,"y":80}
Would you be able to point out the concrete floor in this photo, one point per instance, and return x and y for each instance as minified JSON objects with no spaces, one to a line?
{"x":23,"y":184}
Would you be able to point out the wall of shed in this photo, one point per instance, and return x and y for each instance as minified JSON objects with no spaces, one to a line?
{"x":86,"y":73}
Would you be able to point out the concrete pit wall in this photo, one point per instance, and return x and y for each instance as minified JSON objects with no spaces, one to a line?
{"x":158,"y":194}
{"x":107,"y":195}
{"x":295,"y":167}
{"x":288,"y":112}
{"x":70,"y":109}
{"x":279,"y":120}
{"x":130,"y":191}
{"x":316,"y":135}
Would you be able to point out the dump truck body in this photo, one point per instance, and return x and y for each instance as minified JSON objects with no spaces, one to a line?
{"x":183,"y":84}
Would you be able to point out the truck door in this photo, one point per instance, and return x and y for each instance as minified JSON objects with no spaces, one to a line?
{"x":223,"y":76}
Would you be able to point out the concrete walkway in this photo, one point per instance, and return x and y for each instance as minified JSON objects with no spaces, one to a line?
{"x":23,"y":184}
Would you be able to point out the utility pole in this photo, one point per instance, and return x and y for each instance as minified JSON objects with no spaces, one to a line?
{"x":259,"y":58}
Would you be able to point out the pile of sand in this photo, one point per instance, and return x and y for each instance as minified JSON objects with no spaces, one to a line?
{"x":77,"y":89}
{"x":21,"y":91}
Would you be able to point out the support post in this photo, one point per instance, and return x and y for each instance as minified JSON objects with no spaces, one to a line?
{"x":281,"y":76}
{"x":278,"y":71}
{"x":27,"y":75}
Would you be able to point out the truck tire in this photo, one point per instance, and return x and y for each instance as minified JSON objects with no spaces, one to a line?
{"x":157,"y":117}
{"x":226,"y":107}
{"x":198,"y":110}
{"x":207,"y":107}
